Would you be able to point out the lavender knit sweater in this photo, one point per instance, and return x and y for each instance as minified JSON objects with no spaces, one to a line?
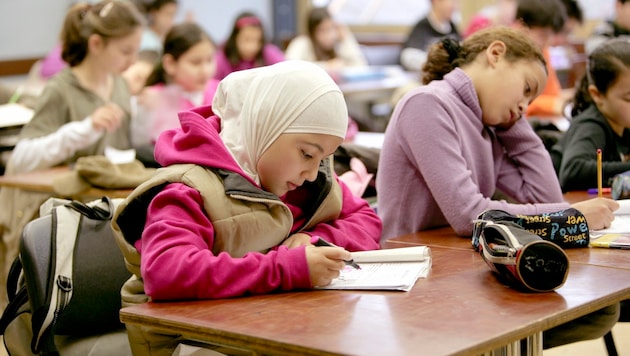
{"x":439,"y":165}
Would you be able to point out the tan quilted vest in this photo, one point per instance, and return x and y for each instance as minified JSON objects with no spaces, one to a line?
{"x":245,"y":218}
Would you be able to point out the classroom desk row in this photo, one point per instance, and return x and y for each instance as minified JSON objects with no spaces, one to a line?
{"x":459,"y":309}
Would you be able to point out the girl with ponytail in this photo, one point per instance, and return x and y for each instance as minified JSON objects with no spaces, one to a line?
{"x":454,"y":142}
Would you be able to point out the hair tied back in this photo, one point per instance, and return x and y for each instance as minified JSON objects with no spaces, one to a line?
{"x":452,"y":47}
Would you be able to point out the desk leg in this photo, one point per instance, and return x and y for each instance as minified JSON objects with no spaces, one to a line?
{"x":535,"y":344}
{"x":534,"y":347}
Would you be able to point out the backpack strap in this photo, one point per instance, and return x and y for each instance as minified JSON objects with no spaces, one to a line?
{"x":94,"y":212}
{"x":13,"y":279}
{"x":13,"y":309}
{"x":18,"y":295}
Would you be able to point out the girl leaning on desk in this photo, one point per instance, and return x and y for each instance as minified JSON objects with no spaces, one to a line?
{"x":247,"y":187}
{"x":454,"y":142}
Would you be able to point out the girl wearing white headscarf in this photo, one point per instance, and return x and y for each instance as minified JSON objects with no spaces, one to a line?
{"x":247,"y":187}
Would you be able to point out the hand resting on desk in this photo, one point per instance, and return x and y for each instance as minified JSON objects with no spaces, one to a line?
{"x":598,"y":212}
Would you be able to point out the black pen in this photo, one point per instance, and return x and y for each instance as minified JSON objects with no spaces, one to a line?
{"x":323,"y":243}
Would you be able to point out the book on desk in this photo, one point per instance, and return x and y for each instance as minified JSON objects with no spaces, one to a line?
{"x":387,"y":269}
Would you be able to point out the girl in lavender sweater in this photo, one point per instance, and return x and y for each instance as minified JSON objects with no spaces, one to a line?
{"x":456,"y":141}
{"x":453,"y":143}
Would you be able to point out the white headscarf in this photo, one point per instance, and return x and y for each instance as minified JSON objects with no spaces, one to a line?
{"x":258,"y":105}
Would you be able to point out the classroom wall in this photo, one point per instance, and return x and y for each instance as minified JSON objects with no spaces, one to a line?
{"x":30,"y":28}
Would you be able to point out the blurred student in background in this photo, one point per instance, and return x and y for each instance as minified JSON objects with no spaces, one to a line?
{"x":138,"y":73}
{"x":575,"y":18}
{"x":542,"y":21}
{"x":619,"y":26}
{"x":82,"y":110}
{"x":501,"y":13}
{"x":601,"y":119}
{"x":436,"y":25}
{"x":329,"y":44}
{"x":160,"y":16}
{"x":181,"y":80}
{"x":246,"y":47}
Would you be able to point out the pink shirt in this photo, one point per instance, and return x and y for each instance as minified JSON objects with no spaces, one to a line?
{"x":271,"y":55}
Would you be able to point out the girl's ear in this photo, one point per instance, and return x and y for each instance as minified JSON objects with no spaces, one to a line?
{"x":95,"y":43}
{"x":495,"y":52}
{"x":595,"y":94}
{"x":168,"y":63}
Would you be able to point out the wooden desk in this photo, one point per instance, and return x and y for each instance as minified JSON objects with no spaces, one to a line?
{"x":459,"y":309}
{"x":445,"y":238}
{"x":42,"y":181}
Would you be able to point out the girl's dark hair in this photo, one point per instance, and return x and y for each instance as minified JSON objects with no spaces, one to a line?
{"x":147,"y":6}
{"x":179,"y":39}
{"x":316,"y":16}
{"x":542,"y":13}
{"x":605,"y":64}
{"x":107,"y":18}
{"x":231,"y":50}
{"x":448,"y":54}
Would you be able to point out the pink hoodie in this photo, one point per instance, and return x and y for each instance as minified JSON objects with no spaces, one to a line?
{"x":177,"y":261}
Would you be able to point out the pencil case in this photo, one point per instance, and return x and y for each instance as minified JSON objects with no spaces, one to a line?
{"x":522,"y":259}
{"x":620,"y":188}
{"x":565,"y":228}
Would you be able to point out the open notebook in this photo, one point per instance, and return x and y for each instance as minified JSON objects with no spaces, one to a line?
{"x":387,"y":269}
{"x":618,"y":234}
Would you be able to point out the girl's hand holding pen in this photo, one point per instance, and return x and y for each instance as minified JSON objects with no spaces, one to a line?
{"x":324,"y":263}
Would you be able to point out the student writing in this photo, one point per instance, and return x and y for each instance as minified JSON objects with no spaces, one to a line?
{"x":246,"y":191}
{"x":454,"y":142}
{"x":601,"y":120}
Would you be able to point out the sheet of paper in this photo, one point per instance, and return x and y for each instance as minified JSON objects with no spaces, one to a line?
{"x":117,"y":156}
{"x":369,"y":139}
{"x":399,"y":276}
{"x":624,"y":207}
{"x":14,"y":115}
{"x":621,"y":223}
